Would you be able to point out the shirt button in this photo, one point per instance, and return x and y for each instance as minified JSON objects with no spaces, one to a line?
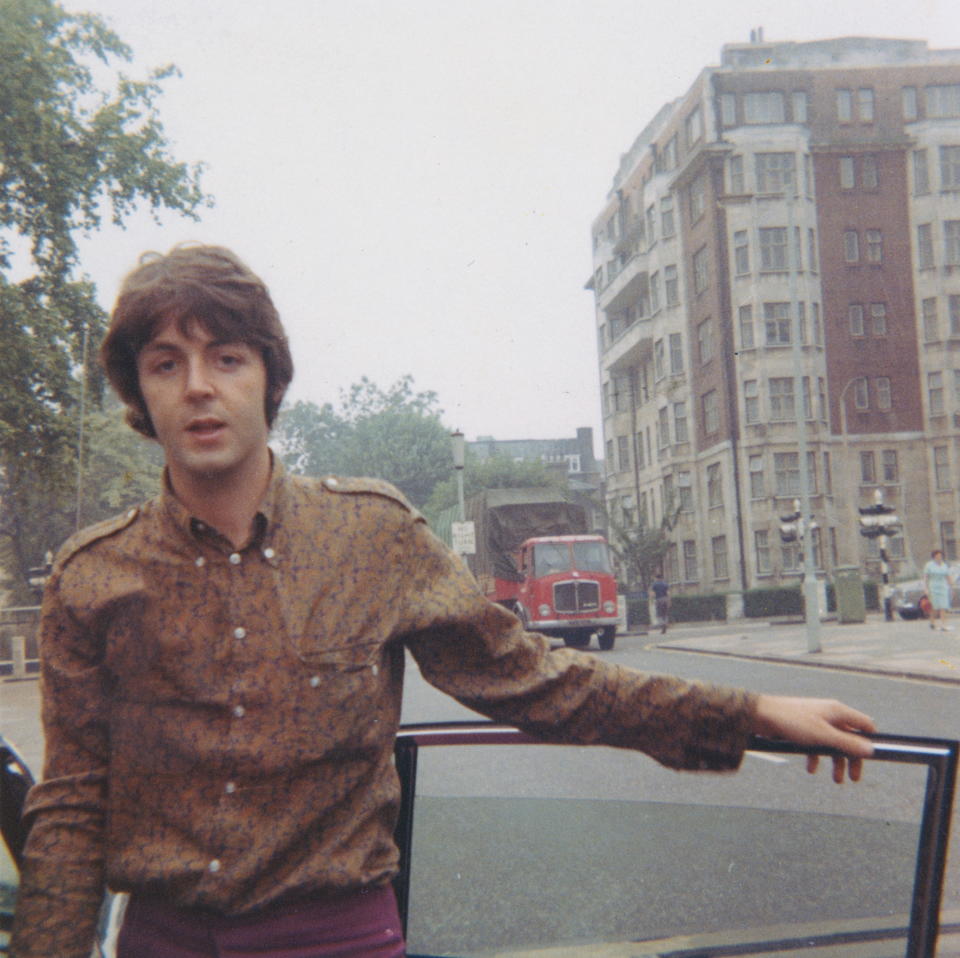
{"x":314,"y":681}
{"x":239,"y":633}
{"x":214,"y":866}
{"x":230,"y":788}
{"x":239,"y":711}
{"x":375,"y":669}
{"x":331,"y":483}
{"x":268,"y":553}
{"x":199,"y":562}
{"x":235,"y":558}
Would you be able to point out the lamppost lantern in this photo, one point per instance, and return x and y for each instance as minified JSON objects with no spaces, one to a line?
{"x":459,"y":447}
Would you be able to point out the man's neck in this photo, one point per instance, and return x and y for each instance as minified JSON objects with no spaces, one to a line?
{"x":228,"y":502}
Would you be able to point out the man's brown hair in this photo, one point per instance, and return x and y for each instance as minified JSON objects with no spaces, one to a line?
{"x":209,"y":285}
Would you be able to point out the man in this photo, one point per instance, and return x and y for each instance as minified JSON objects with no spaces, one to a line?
{"x":222,"y":667}
{"x":661,"y":598}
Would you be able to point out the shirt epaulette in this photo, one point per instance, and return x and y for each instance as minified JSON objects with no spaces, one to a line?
{"x":376,"y":487}
{"x":99,"y":530}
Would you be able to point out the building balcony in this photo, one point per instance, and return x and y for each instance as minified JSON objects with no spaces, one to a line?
{"x":634,"y":346}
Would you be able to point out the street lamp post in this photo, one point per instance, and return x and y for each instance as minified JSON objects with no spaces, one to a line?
{"x":459,"y":450}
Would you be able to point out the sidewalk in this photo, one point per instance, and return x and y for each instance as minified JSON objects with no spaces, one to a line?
{"x":901,"y":649}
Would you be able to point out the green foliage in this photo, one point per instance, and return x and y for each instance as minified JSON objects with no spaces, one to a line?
{"x":640,"y":550}
{"x":71,"y":152}
{"x":495,"y":472}
{"x":394,"y":434}
{"x":765,"y":603}
{"x":698,"y":608}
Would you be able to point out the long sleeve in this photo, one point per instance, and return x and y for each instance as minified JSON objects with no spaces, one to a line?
{"x":479,"y":653}
{"x":62,"y":881}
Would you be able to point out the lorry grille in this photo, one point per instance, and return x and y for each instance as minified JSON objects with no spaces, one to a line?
{"x":576,"y":596}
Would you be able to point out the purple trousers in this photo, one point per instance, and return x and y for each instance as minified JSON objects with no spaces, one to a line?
{"x":364,"y":924}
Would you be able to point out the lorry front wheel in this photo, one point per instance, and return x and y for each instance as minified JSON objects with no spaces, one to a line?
{"x":607,"y":637}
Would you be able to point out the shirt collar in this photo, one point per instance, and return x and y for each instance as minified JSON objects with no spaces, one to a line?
{"x":192,"y":527}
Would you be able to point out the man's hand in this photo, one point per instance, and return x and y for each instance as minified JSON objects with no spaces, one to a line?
{"x":818,"y":722}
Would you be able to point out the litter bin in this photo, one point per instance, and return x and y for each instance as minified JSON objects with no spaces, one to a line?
{"x":848,"y":586}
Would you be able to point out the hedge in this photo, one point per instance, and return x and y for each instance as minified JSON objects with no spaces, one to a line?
{"x":698,"y":608}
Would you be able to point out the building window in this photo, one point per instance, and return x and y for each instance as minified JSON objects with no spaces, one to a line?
{"x":705,"y":341}
{"x":799,"y":100}
{"x":953,"y":303}
{"x":951,"y":242}
{"x":878,"y":318}
{"x":751,"y":401}
{"x":728,"y":109}
{"x":908,"y":98}
{"x":667,"y":226}
{"x":861,"y":394}
{"x":676,"y":353}
{"x":659,"y":360}
{"x":868,"y":468}
{"x":671,"y":285}
{"x":812,"y":249}
{"x":746,"y":327}
{"x":776,"y":323}
{"x":773,"y":248}
{"x":710,"y":407}
{"x":869,"y":172}
{"x":851,"y":246}
{"x":689,"y":560}
{"x":654,"y":292}
{"x":935,"y":393}
{"x":685,"y":492}
{"x":874,"y":246}
{"x":782,"y":401}
{"x":775,"y":172}
{"x":611,"y":465}
{"x":948,"y":540}
{"x":714,"y":487}
{"x":694,"y":124}
{"x":741,"y":253}
{"x":865,"y":103}
{"x":943,"y":102}
{"x":766,"y":107}
{"x":844,"y":105}
{"x":921,"y":172}
{"x":663,"y":428}
{"x":761,"y":545}
{"x":925,"y":246}
{"x":757,"y":486}
{"x":855,"y":317}
{"x":638,"y":447}
{"x":889,"y":465}
{"x":680,"y":427}
{"x":931,"y":322}
{"x":827,"y":476}
{"x":698,"y":197}
{"x":848,"y":178}
{"x":882,"y":387}
{"x":701,"y":271}
{"x":718,"y":546}
{"x":623,"y":452}
{"x":941,"y":468}
{"x":950,"y":167}
{"x":786,"y":473}
{"x":737,"y":183}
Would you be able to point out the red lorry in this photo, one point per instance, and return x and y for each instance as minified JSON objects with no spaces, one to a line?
{"x":535,"y":556}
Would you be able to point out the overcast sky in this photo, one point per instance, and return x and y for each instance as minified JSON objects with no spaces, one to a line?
{"x":416,"y":180}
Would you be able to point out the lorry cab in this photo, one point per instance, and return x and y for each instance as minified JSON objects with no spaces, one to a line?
{"x":568,"y":589}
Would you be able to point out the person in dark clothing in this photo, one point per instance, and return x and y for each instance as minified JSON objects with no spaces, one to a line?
{"x":661,"y":595}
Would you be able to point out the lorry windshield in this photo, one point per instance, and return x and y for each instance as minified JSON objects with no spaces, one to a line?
{"x":553,"y":557}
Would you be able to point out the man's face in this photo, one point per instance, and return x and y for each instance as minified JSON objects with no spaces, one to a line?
{"x":206,"y":401}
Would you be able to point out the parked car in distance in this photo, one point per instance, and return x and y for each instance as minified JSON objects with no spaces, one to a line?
{"x":906,"y":595}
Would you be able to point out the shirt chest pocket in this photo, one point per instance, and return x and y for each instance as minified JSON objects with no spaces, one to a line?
{"x":358,"y":661}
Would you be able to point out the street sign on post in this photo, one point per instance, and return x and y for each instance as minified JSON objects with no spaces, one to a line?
{"x":464,"y":538}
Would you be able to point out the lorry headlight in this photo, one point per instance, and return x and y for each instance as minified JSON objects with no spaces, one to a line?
{"x":609,"y":607}
{"x":544,"y":610}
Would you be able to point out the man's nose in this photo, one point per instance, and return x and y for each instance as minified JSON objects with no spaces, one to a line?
{"x":199,"y":382}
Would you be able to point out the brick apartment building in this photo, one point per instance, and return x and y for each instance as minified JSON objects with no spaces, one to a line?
{"x":784,"y":239}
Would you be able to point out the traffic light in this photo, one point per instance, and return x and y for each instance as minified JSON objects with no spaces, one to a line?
{"x":791,"y":526}
{"x":878,"y":520}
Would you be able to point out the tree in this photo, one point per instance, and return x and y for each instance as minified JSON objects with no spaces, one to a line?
{"x":71,"y":153}
{"x":641,"y":549}
{"x":496,"y":472}
{"x":396,"y":434}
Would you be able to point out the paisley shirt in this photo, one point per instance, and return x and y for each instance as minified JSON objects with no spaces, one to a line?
{"x":219,"y":722}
